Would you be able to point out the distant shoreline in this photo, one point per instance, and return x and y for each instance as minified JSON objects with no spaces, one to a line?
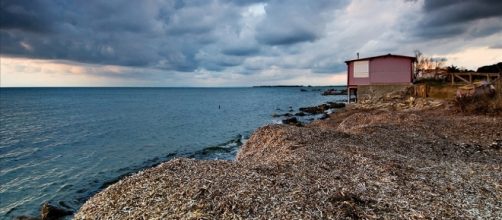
{"x":293,"y":86}
{"x":162,"y":87}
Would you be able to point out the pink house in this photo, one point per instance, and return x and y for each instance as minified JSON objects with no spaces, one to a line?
{"x":379,"y":70}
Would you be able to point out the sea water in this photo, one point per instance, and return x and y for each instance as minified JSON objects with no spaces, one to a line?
{"x":62,"y":145}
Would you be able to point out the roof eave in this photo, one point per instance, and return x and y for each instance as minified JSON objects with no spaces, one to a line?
{"x":386,"y":55}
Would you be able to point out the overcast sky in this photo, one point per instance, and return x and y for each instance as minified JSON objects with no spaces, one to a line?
{"x":232,"y":42}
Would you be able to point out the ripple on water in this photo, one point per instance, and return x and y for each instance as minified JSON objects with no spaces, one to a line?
{"x":63,"y":145}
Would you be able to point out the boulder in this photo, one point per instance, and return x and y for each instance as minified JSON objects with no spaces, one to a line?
{"x":321,"y":108}
{"x":335,"y":92}
{"x":291,"y":121}
{"x":475,"y":90}
{"x":324,"y":116}
{"x":275,"y":115}
{"x":25,"y":217}
{"x":50,"y":212}
{"x":336,"y":104}
{"x":300,"y":114}
{"x":314,"y":110}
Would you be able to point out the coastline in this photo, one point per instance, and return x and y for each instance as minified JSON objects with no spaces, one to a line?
{"x":362,"y":162}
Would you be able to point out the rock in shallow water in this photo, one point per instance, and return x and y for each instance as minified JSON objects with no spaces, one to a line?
{"x":50,"y":212}
{"x":291,"y":121}
{"x":25,"y":217}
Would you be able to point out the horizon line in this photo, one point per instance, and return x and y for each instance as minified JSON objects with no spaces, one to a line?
{"x":255,"y":86}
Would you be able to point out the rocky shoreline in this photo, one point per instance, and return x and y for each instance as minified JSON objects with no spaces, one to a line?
{"x":363,"y":162}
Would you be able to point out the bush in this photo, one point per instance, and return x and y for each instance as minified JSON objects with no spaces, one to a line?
{"x":482,"y":104}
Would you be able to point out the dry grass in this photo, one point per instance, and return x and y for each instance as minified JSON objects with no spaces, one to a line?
{"x":444,"y":91}
{"x":372,"y":164}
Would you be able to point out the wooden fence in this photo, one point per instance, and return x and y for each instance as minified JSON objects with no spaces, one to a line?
{"x":470,"y":76}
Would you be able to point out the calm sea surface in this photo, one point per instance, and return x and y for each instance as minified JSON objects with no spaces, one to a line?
{"x":61,"y":145}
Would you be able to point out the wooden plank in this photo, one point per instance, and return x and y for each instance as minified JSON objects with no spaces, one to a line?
{"x":476,"y":74}
{"x":489,"y":76}
{"x":461,"y":78}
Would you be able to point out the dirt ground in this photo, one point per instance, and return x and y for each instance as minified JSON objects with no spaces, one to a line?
{"x":360,"y":163}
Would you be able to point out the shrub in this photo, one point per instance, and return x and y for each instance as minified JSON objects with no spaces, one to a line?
{"x":488,"y":103}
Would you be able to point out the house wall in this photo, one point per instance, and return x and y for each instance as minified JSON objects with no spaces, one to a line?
{"x":387,"y":70}
{"x":383,"y":70}
{"x":356,"y":81}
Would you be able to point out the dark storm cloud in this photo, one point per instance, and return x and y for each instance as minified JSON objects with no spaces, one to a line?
{"x":286,"y":37}
{"x":291,"y":22}
{"x":446,"y":18}
{"x":228,"y":35}
{"x":246,"y":2}
{"x":26,"y":15}
{"x":241,"y":51}
{"x":158,"y":34}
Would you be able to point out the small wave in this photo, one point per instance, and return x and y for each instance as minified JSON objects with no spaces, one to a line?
{"x":225,"y":151}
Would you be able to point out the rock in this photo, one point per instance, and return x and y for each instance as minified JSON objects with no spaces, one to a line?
{"x":275,"y":115}
{"x":475,"y":90}
{"x":336,"y":104}
{"x":321,"y":108}
{"x":25,"y":217}
{"x":300,"y":114}
{"x":335,"y":92}
{"x":303,"y":90}
{"x":50,"y":212}
{"x":324,"y":116}
{"x":314,"y":110}
{"x":291,"y":121}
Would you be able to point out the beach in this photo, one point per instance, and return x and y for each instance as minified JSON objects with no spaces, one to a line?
{"x":362,"y":162}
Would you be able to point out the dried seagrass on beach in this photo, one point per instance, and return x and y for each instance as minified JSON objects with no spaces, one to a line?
{"x":358,"y":164}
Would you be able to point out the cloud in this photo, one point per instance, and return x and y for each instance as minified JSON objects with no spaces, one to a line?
{"x":231,"y":40}
{"x":26,"y":15}
{"x":158,"y":34}
{"x":496,"y":46}
{"x":447,"y":18}
{"x":291,"y":22}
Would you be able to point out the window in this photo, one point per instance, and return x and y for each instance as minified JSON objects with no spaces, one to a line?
{"x":361,"y":69}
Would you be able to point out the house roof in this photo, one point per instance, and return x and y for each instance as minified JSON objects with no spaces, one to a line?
{"x":386,"y":55}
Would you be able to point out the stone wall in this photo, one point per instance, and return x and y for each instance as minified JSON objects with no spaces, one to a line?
{"x":377,"y":92}
{"x":370,"y":93}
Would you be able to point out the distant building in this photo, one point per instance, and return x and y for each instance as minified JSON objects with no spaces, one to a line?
{"x":379,"y":70}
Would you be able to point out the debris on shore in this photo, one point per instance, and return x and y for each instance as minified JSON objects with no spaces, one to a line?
{"x":360,"y":163}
